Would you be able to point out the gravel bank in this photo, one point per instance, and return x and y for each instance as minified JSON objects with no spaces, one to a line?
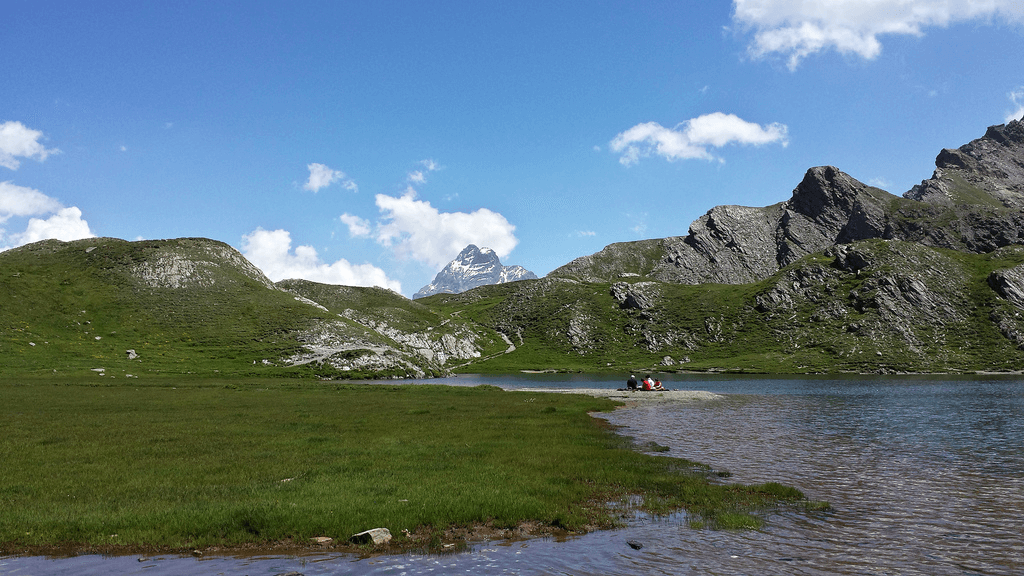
{"x":653,"y":397}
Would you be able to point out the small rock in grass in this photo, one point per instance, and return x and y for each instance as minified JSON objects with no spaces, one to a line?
{"x":373,"y":536}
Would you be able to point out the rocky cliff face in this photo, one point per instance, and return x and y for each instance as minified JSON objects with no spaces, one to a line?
{"x":972,"y":203}
{"x":473,"y":267}
{"x":987,"y":171}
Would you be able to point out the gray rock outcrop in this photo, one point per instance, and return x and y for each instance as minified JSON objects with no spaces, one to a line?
{"x":987,"y":171}
{"x":1009,"y":284}
{"x":639,"y":296}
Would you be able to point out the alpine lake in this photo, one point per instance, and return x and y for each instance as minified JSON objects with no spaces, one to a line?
{"x":924,"y":475}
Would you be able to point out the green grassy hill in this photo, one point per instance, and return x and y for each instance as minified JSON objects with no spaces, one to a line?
{"x":110,"y":308}
{"x":186,"y":306}
{"x":872,"y":306}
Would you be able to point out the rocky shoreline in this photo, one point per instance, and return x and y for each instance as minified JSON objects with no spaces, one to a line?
{"x":639,"y":397}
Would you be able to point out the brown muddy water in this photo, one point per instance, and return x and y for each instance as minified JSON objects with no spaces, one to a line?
{"x":925,"y":477}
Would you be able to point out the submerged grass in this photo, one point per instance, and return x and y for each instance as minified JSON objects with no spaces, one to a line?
{"x":181,"y":464}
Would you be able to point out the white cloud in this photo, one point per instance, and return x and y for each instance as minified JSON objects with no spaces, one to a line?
{"x":67,"y":224}
{"x":271,"y":252}
{"x":356,"y":226}
{"x":799,"y":28}
{"x":691,"y":139}
{"x":17,"y":140}
{"x":21,"y":201}
{"x":417,"y":230}
{"x":1017,"y":97}
{"x":418,"y":176}
{"x":639,"y":221}
{"x":321,"y":176}
{"x":585,"y":233}
{"x":63,"y":224}
{"x":880,"y":183}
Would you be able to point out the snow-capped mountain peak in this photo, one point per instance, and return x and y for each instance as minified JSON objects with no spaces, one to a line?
{"x":471,"y":268}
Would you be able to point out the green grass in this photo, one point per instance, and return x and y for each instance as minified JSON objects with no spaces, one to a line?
{"x":963,"y":192}
{"x":71,"y":308}
{"x":723,"y":328}
{"x":183,"y":464}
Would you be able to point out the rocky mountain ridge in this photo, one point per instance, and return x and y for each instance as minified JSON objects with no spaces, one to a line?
{"x":972,"y":203}
{"x":472,"y":268}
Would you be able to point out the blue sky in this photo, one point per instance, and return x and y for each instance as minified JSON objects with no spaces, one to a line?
{"x":368,"y":142}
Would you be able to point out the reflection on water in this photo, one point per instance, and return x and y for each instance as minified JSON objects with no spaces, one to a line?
{"x":925,"y":477}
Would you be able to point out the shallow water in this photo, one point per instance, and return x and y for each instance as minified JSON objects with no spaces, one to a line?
{"x":925,"y":476}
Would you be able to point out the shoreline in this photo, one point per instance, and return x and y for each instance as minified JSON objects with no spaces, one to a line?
{"x":425,"y":540}
{"x":637,"y":398}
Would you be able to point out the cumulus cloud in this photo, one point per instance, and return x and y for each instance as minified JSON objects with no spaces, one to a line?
{"x":20,"y":141}
{"x":356,"y":226}
{"x":796,"y":28}
{"x":21,"y":201}
{"x":321,"y":176}
{"x":62,"y":224}
{"x":691,"y":139}
{"x":67,"y":224}
{"x":1017,"y":97}
{"x":271,"y":251}
{"x":414,"y":229}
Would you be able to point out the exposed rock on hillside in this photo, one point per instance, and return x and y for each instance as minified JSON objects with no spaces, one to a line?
{"x":473,"y":267}
{"x":1009,"y":284}
{"x":640,"y":296}
{"x":987,"y":171}
{"x":410,"y":328}
{"x":192,"y":263}
{"x":615,"y":261}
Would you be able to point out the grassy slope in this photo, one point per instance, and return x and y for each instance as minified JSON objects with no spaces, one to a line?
{"x":68,"y":310}
{"x":59,"y":298}
{"x":205,"y":463}
{"x":719,"y":327}
{"x":385,"y":310}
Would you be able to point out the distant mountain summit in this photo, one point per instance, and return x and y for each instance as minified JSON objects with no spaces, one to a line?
{"x":473,"y":267}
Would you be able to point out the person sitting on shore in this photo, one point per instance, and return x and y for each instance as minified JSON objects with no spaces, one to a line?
{"x":657,"y":385}
{"x":648,"y":383}
{"x":631,"y":383}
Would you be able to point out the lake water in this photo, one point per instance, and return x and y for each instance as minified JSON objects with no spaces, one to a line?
{"x":925,"y":476}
